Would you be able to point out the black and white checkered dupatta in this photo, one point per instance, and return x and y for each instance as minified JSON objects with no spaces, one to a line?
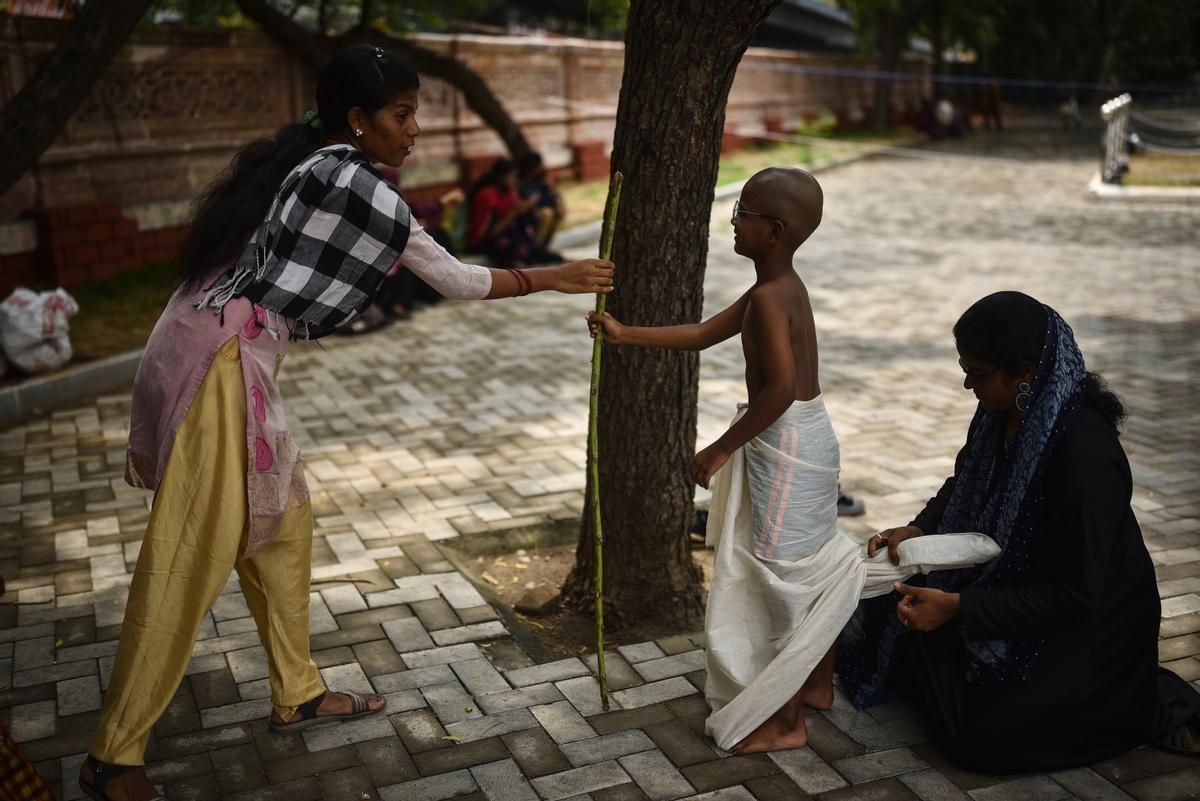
{"x":334,"y":230}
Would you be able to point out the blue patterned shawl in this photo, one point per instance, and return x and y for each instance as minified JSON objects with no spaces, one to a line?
{"x":997,"y":491}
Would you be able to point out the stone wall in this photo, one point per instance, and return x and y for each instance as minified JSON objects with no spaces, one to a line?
{"x":113,"y":191}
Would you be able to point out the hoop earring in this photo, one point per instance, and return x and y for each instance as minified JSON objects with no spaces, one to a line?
{"x":1024,"y":395}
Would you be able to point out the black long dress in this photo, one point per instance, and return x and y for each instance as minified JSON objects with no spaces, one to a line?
{"x":1095,"y":689}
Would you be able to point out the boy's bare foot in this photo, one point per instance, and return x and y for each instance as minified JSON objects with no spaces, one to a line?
{"x":780,"y":732}
{"x":818,"y":697}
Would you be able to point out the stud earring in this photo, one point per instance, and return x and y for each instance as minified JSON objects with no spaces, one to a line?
{"x":358,"y":131}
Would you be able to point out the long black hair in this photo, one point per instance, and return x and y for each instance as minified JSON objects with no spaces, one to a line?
{"x":229,"y":210}
{"x":1008,"y":330}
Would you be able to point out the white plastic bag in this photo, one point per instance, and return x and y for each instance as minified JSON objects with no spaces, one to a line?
{"x":34,"y":329}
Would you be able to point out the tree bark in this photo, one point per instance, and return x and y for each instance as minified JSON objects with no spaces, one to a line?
{"x":315,"y":50}
{"x":32,"y":120}
{"x":680,"y":60}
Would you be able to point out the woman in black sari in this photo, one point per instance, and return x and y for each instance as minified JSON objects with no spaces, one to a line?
{"x":1046,"y":657}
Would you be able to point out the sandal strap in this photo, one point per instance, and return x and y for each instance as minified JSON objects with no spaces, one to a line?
{"x":358,"y":704}
{"x":103,"y":773}
{"x":308,"y":709}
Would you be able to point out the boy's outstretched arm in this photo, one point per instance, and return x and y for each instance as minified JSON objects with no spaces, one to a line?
{"x":699,"y":336}
{"x":771,"y":331}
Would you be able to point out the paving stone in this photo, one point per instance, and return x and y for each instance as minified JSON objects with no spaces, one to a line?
{"x":584,"y":694}
{"x":523,"y":697}
{"x":724,"y":794}
{"x":479,"y":677}
{"x":879,"y":765}
{"x":306,"y":789}
{"x":776,"y":787}
{"x":1088,"y":785}
{"x":931,"y":785}
{"x":547,"y":671}
{"x":681,"y":745}
{"x":407,"y":634}
{"x":619,"y":673}
{"x":535,"y":752}
{"x":444,"y":760}
{"x":491,"y":725}
{"x":807,"y":770}
{"x":420,"y":730}
{"x":1029,"y":788}
{"x":608,"y":746}
{"x":386,"y":761}
{"x":348,"y":783}
{"x":79,"y":695}
{"x":238,"y":768}
{"x":377,"y":658}
{"x":334,"y":735}
{"x":577,"y":781}
{"x":450,"y":702}
{"x":881,"y":790}
{"x":727,"y":772}
{"x":622,"y":719}
{"x":34,"y":721}
{"x":302,"y":764}
{"x":503,"y":780}
{"x":562,"y":722}
{"x":203,"y":741}
{"x":436,"y":614}
{"x":654,"y":693}
{"x":213,"y":688}
{"x":432,"y":788}
{"x":450,"y":654}
{"x":234,"y":713}
{"x":655,"y":775}
{"x":342,"y":599}
{"x":1175,"y":786}
{"x":413,"y":679}
{"x":476,"y":631}
{"x":668,"y":666}
{"x":641,"y":652}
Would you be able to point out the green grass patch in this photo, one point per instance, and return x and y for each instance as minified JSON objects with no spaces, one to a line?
{"x":117,"y":314}
{"x":1155,"y":169}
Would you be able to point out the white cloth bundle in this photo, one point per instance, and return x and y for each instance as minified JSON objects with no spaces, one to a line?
{"x":770,"y":621}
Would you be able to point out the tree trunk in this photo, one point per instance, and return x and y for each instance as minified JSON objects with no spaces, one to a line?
{"x":32,"y":120}
{"x":680,"y":60}
{"x":315,"y":50}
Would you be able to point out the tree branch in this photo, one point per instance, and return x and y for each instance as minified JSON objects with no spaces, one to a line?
{"x":314,"y":50}
{"x":32,"y":120}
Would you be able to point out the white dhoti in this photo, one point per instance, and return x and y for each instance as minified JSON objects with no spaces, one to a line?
{"x":786,"y":580}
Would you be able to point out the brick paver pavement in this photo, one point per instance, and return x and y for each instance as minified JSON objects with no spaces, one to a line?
{"x":471,"y":419}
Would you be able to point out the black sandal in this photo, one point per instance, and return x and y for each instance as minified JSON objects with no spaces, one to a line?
{"x":1185,"y":740}
{"x":102,"y":774}
{"x":308,"y":717}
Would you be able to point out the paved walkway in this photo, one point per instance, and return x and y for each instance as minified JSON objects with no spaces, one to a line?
{"x":472,"y":418}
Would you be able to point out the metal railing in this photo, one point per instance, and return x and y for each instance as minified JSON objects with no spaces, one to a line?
{"x":1113,"y":162}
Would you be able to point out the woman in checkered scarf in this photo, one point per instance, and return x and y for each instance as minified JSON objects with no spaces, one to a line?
{"x":291,"y":242}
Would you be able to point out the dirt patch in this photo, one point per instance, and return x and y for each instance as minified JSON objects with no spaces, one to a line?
{"x":563,"y":632}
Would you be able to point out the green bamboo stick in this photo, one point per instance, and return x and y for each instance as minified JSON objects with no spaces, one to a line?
{"x":606,"y":238}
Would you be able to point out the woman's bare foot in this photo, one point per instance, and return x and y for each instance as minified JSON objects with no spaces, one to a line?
{"x":132,"y":785}
{"x":780,"y":732}
{"x":335,"y":704}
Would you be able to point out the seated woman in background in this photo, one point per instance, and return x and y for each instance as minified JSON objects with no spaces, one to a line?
{"x":1047,"y":657}
{"x":549,"y":211}
{"x":495,"y":227}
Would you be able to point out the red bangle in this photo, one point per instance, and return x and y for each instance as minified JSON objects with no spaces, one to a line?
{"x":526,"y":279}
{"x":521,"y":279}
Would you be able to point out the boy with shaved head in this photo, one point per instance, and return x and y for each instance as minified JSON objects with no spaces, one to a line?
{"x":785,"y":581}
{"x":791,"y":463}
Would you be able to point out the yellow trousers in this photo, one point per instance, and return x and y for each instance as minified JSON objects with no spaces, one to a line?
{"x":192,"y":543}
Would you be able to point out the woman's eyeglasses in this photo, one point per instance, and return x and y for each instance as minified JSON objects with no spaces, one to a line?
{"x":738,"y":211}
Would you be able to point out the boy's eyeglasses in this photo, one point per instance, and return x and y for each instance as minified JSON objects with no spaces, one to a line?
{"x":738,"y":211}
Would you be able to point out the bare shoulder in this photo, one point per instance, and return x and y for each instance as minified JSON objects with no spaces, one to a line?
{"x":779,"y":297}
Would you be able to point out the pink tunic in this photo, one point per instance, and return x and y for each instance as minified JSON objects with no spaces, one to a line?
{"x":173,"y":366}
